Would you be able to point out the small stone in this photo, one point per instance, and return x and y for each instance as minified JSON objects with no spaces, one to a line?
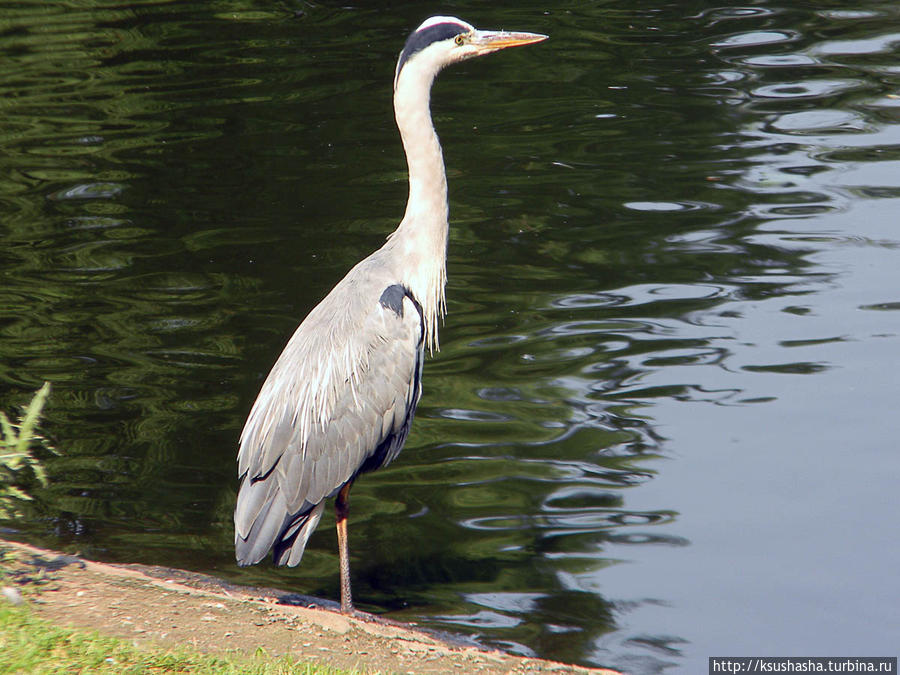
{"x":13,"y":595}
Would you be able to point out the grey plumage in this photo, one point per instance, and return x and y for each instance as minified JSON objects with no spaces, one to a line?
{"x":340,"y":399}
{"x":369,"y":394}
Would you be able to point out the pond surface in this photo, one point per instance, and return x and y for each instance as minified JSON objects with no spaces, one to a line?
{"x":663,"y":421}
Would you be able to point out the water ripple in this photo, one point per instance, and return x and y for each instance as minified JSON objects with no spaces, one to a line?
{"x":881,"y":44}
{"x":88,"y":191}
{"x":807,"y":89}
{"x":757,"y":38}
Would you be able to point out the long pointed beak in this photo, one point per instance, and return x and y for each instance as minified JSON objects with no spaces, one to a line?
{"x":487,"y":41}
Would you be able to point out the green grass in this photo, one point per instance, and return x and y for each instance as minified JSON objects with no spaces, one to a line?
{"x":33,"y":646}
{"x":16,"y":459}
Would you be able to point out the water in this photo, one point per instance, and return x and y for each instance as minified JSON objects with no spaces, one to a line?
{"x":662,"y":425}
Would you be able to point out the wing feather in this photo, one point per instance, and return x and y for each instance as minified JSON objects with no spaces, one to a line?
{"x":338,"y":449}
{"x":338,"y":401}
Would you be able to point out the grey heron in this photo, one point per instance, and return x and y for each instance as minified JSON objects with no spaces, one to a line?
{"x":340,"y":399}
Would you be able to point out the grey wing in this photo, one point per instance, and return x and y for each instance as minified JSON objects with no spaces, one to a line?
{"x":280,"y":500}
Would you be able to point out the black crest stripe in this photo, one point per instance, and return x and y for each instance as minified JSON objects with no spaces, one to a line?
{"x":422,"y":38}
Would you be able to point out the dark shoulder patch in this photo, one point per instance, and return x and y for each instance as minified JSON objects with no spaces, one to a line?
{"x":422,"y":38}
{"x":392,"y":299}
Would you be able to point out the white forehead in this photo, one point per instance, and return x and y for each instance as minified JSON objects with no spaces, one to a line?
{"x":433,"y":21}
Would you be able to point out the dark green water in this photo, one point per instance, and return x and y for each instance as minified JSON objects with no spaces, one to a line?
{"x":662,"y":425}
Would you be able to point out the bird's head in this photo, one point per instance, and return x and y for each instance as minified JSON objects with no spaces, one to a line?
{"x":442,"y":40}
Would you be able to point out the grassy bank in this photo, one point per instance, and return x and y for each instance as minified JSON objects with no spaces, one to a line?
{"x":32,"y":645}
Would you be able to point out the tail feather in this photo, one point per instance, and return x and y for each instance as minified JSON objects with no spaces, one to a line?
{"x":288,"y":550}
{"x":262,"y":522}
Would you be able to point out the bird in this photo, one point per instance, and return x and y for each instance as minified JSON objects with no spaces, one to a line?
{"x":340,"y":399}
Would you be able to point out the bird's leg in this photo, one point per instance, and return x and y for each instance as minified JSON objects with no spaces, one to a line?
{"x":341,"y":509}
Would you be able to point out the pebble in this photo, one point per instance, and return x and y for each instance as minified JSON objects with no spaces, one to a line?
{"x":13,"y":595}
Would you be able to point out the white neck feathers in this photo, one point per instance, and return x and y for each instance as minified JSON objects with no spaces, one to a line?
{"x":421,"y":238}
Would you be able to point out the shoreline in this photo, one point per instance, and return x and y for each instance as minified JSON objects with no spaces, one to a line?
{"x":171,"y":607}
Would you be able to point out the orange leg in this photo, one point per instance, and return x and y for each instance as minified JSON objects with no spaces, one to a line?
{"x":341,"y":509}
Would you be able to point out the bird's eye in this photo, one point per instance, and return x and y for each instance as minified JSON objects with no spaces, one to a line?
{"x":460,"y":40}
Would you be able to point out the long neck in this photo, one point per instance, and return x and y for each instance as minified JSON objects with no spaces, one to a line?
{"x":421,"y":238}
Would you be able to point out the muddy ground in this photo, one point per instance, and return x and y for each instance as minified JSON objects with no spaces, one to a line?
{"x":164,"y":606}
